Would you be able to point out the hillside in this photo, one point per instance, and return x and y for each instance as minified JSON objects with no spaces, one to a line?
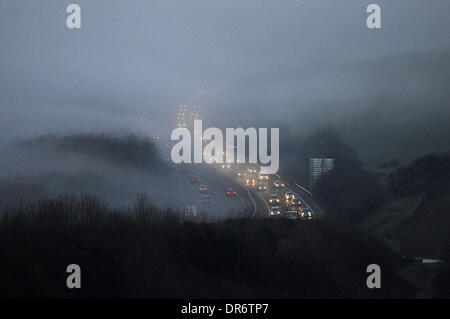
{"x":414,"y":218}
{"x":144,"y":252}
{"x":416,"y":225}
{"x":120,"y":149}
{"x":112,"y":166}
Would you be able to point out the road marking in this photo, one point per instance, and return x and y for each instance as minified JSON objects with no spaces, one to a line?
{"x":304,"y":189}
{"x":253,"y":201}
{"x":262,"y":198}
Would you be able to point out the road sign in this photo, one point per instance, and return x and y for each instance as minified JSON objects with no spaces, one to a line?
{"x":318,"y":167}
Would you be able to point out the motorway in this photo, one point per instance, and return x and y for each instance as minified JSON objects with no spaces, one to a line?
{"x":263,"y":196}
{"x":215,"y":204}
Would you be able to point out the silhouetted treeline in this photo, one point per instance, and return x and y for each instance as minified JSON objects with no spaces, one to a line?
{"x":349,"y":193}
{"x":393,"y":163}
{"x":326,"y":142}
{"x":122,"y":149}
{"x":27,"y":189}
{"x":421,"y":175}
{"x":151,"y":253}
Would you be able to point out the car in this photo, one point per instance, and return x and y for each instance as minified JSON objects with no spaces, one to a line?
{"x":292,"y":214}
{"x":251,"y":170}
{"x":206,"y":199}
{"x":262,"y":187}
{"x":190,"y":212}
{"x":289,"y":195}
{"x":274,"y":211}
{"x":195,"y":180}
{"x":279,"y":184}
{"x":242,"y":174}
{"x":226,"y":166}
{"x":231,"y":192}
{"x":296,"y":202}
{"x":263,"y":177}
{"x":274,"y":200}
{"x":250,"y":182}
{"x":203,"y":188}
{"x":306,"y":215}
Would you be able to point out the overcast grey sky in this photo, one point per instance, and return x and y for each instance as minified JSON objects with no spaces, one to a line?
{"x":135,"y":56}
